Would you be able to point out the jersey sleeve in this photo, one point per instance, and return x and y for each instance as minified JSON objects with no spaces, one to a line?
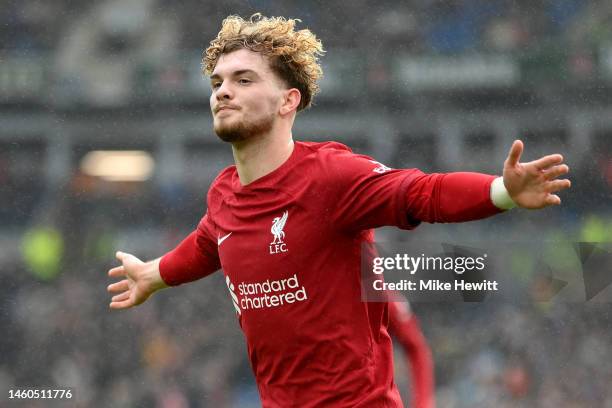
{"x":194,"y":258}
{"x":363,"y":193}
{"x":367,"y":194}
{"x":450,"y":197}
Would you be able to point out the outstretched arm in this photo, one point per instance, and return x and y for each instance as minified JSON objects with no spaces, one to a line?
{"x":195,"y":257}
{"x":457,"y":197}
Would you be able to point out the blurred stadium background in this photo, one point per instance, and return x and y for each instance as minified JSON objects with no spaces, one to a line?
{"x":439,"y":85}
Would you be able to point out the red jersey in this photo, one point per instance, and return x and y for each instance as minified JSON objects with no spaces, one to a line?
{"x":289,"y":245}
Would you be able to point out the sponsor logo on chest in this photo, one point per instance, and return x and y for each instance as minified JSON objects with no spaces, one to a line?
{"x":270,"y":293}
{"x":278,"y":244}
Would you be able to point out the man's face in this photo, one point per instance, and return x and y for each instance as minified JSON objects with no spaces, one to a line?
{"x":246,"y":96}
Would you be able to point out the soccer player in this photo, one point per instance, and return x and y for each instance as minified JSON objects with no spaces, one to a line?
{"x":287,"y":221}
{"x":404,"y":327}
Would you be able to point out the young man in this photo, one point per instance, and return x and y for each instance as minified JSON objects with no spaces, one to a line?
{"x":287,"y":222}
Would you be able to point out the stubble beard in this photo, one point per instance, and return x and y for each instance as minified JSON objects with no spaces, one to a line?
{"x":242,"y":130}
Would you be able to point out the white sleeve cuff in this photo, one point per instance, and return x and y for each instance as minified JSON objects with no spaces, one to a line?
{"x":499,"y":195}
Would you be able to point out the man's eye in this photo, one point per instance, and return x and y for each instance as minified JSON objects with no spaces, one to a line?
{"x":215,"y":85}
{"x":244,"y":81}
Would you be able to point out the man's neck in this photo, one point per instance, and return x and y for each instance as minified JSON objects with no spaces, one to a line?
{"x":259,"y":156}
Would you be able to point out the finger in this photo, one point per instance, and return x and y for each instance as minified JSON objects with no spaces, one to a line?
{"x":515,"y":153}
{"x":119,"y":286}
{"x":124,"y":304}
{"x":124,"y":257}
{"x":553,"y":199}
{"x":545,"y":162}
{"x":117,"y":272}
{"x":121,"y":297}
{"x":558,"y":185}
{"x":556,"y":171}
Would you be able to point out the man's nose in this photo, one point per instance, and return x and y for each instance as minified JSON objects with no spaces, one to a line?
{"x":223,"y":92}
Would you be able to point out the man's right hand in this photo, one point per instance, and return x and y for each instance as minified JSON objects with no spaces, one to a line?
{"x":142,"y":279}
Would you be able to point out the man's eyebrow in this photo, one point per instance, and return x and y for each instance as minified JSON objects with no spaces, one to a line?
{"x":236,"y":73}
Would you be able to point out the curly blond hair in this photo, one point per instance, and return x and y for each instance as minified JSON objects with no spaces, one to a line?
{"x":293,"y":55}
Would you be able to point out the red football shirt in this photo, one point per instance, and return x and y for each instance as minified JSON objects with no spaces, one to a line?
{"x":289,"y":245}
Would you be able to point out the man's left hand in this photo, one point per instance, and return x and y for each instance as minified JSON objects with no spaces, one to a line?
{"x":533,"y":184}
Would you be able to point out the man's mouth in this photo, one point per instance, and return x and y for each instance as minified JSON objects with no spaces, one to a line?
{"x":222,"y":108}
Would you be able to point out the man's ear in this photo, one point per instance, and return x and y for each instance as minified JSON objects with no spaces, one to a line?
{"x":291,"y":101}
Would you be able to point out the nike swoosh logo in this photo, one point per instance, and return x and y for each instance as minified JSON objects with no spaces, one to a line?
{"x":223,"y":238}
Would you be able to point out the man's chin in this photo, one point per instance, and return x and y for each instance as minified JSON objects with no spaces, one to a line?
{"x":231,"y":134}
{"x":240,"y":131}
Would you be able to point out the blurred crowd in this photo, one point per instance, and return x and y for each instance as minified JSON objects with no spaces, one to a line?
{"x":521,"y":355}
{"x":418,"y":25}
{"x":110,"y":51}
